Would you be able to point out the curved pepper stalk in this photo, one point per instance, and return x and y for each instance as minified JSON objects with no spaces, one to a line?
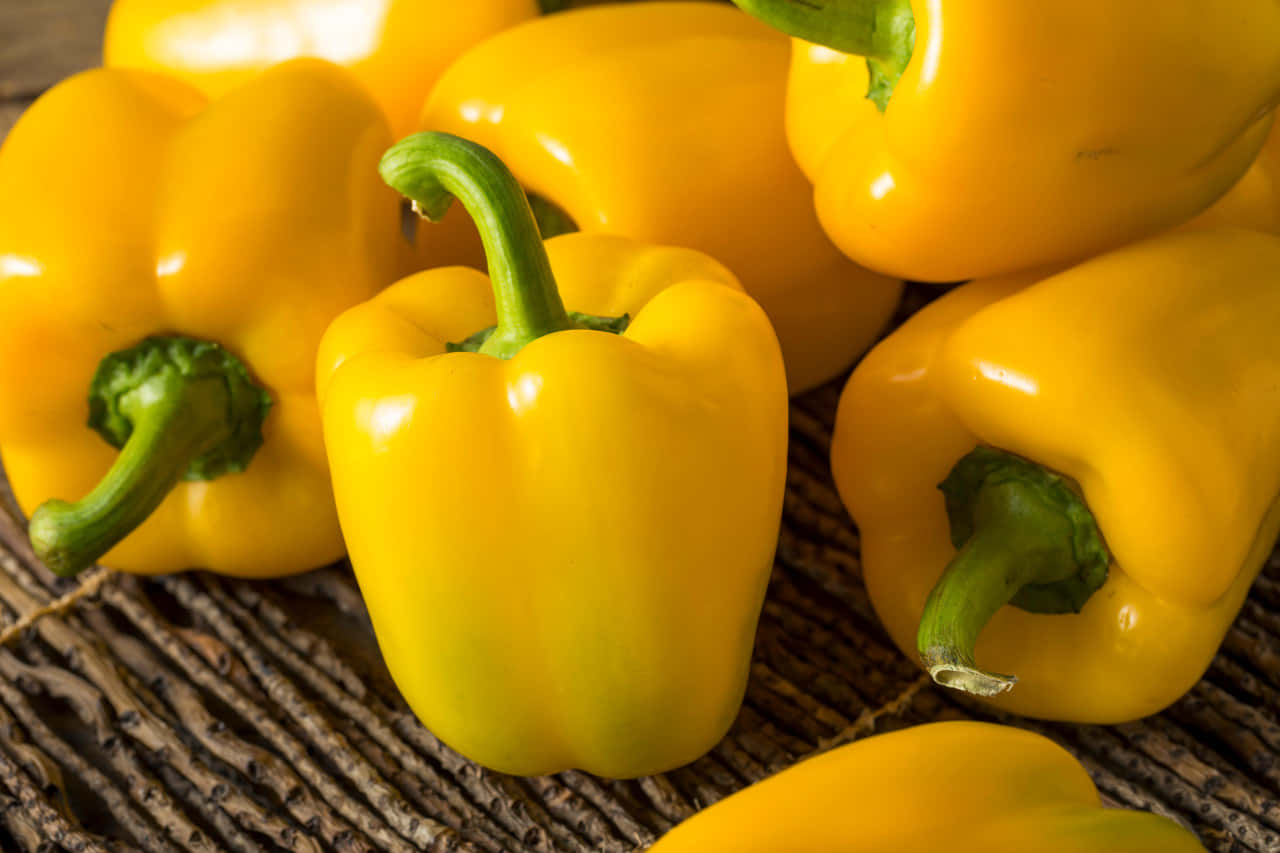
{"x":883,"y":31}
{"x":432,"y":169}
{"x":179,"y":409}
{"x":1024,"y":538}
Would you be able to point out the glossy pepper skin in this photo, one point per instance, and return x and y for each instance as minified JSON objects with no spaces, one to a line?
{"x":967,"y":786}
{"x":1021,"y":134}
{"x":1254,"y":202}
{"x":663,"y":122}
{"x":397,"y":48}
{"x":563,"y":538}
{"x":1150,"y":377}
{"x":129,"y":208}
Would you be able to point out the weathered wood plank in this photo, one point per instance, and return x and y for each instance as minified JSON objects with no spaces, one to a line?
{"x":9,"y":112}
{"x":43,"y":41}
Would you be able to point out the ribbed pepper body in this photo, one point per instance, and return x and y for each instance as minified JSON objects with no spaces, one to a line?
{"x":1148,"y":376}
{"x":564,"y":553}
{"x":130,"y":208}
{"x":1024,"y":134}
{"x":396,"y":48}
{"x":664,"y":122}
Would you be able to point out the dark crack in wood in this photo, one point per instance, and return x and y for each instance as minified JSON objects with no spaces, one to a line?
{"x":411,"y":824}
{"x":117,"y":801}
{"x":258,"y":765}
{"x":291,"y":748}
{"x":36,"y":811}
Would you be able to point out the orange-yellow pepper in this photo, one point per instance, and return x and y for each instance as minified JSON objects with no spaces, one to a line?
{"x":397,"y":48}
{"x":664,"y":122}
{"x":1019,"y":134}
{"x":1149,"y":380}
{"x":961,"y":786}
{"x":128,"y":210}
{"x":1254,"y":202}
{"x":563,"y":525}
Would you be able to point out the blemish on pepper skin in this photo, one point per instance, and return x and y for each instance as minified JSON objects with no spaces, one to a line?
{"x":1095,"y":153}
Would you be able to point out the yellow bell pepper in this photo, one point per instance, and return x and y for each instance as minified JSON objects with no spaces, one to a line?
{"x":664,"y":122}
{"x":984,"y":137}
{"x":129,"y":210}
{"x":961,"y":786}
{"x":562,"y":524}
{"x":1254,"y":202}
{"x":397,"y":48}
{"x":1148,"y":379}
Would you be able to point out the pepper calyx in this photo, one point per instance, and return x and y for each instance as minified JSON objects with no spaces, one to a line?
{"x":883,"y":31}
{"x":178,"y":409}
{"x":594,"y":322}
{"x":125,"y":379}
{"x":987,"y":467}
{"x":884,"y":72}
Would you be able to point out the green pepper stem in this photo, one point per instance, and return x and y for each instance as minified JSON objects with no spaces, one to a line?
{"x":178,"y":408}
{"x":1024,"y":538}
{"x":981,"y":579}
{"x":883,"y":31}
{"x":174,"y":422}
{"x":432,"y":169}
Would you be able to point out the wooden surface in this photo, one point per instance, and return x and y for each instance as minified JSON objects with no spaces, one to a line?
{"x":195,"y":713}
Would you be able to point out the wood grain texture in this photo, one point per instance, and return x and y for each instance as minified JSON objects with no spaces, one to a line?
{"x":195,"y":713}
{"x":224,"y":712}
{"x":43,"y":41}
